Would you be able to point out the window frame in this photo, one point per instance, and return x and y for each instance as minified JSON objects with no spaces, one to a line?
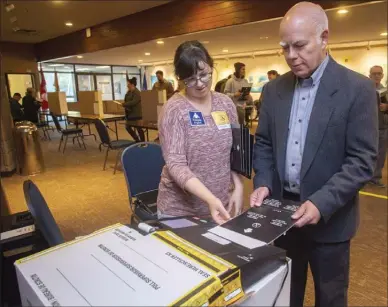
{"x":94,"y":74}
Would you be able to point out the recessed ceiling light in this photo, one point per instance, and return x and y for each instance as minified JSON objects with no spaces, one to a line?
{"x":205,"y":42}
{"x":384,"y":34}
{"x":68,"y":24}
{"x":140,"y":60}
{"x":147,"y":53}
{"x":342,"y":11}
{"x":225,"y":50}
{"x":79,"y":56}
{"x":159,"y":42}
{"x":263,"y":37}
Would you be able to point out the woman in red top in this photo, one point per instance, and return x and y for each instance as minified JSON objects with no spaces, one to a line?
{"x":196,"y":139}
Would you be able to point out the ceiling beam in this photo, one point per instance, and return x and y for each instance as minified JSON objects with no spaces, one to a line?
{"x":171,"y":19}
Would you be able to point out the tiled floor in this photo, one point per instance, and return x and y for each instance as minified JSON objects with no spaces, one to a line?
{"x":84,"y":198}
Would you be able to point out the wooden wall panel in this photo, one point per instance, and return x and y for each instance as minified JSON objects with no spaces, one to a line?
{"x":171,"y":19}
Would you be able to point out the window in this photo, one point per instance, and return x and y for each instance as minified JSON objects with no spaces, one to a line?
{"x":66,"y":84}
{"x":100,"y":69}
{"x":85,"y":83}
{"x":110,"y":80}
{"x":126,"y":70}
{"x":120,"y":85}
{"x":104,"y":85}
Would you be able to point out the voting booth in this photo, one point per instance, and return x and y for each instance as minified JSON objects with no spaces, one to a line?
{"x":152,"y":101}
{"x":90,"y":102}
{"x":57,"y":102}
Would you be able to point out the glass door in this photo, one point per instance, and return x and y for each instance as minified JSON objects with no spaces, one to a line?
{"x":104,"y":84}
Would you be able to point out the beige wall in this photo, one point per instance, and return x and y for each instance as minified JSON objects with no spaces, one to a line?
{"x":357,"y":59}
{"x":19,"y":58}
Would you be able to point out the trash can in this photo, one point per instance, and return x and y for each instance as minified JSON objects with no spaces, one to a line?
{"x":28,"y":149}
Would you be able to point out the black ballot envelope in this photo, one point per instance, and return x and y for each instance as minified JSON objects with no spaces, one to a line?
{"x":259,"y":226}
{"x":242,"y":151}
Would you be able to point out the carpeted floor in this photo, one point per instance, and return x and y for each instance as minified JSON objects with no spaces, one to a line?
{"x":84,"y":198}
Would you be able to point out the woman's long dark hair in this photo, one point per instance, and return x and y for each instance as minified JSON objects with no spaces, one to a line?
{"x":187,"y":58}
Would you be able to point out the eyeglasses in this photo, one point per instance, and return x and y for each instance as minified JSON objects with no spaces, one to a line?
{"x":192,"y":81}
{"x":376,"y":73}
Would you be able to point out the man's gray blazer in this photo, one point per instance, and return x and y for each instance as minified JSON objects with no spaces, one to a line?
{"x":340,"y":149}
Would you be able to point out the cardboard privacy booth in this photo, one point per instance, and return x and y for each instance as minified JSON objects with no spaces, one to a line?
{"x":118,"y":266}
{"x":151,"y":103}
{"x":90,"y":102}
{"x":57,"y":102}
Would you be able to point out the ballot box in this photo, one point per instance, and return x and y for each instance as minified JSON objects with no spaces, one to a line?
{"x":118,"y":266}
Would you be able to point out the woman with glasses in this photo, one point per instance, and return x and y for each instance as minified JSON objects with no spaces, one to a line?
{"x":196,"y":139}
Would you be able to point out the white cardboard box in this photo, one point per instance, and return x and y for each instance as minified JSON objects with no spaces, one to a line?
{"x":115,"y":266}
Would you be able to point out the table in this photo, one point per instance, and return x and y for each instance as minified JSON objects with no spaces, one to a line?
{"x":78,"y":118}
{"x":144,"y":124}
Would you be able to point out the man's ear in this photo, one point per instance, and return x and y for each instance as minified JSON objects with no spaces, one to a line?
{"x":325,"y":38}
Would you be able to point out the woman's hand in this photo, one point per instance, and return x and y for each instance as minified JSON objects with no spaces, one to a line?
{"x":218,"y":211}
{"x":236,"y":202}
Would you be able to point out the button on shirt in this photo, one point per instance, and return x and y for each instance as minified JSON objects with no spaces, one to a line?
{"x":302,"y":105}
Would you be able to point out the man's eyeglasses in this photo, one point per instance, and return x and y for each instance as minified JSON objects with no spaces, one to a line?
{"x":376,"y":73}
{"x":192,"y":81}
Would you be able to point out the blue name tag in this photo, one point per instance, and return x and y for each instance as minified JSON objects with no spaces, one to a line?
{"x":196,"y":118}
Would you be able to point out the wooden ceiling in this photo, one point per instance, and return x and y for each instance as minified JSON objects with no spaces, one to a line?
{"x":168,"y":20}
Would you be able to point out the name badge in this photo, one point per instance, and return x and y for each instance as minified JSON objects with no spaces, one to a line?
{"x":221,"y":119}
{"x":196,"y":118}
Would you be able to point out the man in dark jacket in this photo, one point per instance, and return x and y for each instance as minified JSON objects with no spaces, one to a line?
{"x":315,"y":148}
{"x":31,"y":106}
{"x":132,"y":105}
{"x":16,"y":108}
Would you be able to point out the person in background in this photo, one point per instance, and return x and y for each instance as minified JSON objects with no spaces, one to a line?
{"x":233,"y":89}
{"x":132,"y":105}
{"x":220,"y":86}
{"x":31,"y":106}
{"x":163,"y":84}
{"x":316,"y":147}
{"x":196,"y":139}
{"x":16,"y":108}
{"x":272,"y":75}
{"x":376,"y":74}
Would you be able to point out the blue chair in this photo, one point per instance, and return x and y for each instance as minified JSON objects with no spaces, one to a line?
{"x":110,"y":145}
{"x":44,"y":220}
{"x":142,"y":164}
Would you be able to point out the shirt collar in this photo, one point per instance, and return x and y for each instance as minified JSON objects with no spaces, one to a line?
{"x":316,"y":76}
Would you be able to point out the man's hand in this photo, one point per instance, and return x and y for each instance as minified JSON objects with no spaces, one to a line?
{"x":307,"y":214}
{"x":383,"y":107}
{"x":237,"y":94}
{"x":218,"y":211}
{"x":258,"y":196}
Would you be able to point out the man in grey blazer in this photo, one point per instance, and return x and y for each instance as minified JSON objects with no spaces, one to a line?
{"x":316,"y":145}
